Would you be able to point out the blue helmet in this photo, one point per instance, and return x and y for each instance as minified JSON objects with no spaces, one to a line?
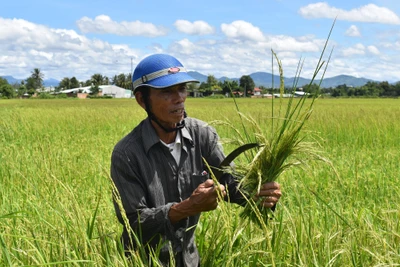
{"x":159,"y":71}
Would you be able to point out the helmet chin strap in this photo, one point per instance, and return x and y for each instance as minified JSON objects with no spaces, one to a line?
{"x":179,"y":125}
{"x":150,"y":114}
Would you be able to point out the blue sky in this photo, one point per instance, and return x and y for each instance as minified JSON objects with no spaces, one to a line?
{"x":222,"y":38}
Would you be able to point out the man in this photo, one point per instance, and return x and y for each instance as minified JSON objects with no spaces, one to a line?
{"x":158,"y":168}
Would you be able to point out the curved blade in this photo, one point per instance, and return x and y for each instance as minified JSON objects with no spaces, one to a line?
{"x":218,"y":172}
{"x":235,"y":153}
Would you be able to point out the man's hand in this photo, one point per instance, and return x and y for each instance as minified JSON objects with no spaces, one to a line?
{"x":270,"y":192}
{"x":203,"y":198}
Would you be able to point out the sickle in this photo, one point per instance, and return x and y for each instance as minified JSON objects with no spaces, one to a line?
{"x":218,"y":172}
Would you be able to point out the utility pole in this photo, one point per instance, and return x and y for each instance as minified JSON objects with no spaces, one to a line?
{"x":132,"y":66}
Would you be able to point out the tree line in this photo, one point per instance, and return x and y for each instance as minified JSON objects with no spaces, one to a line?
{"x":370,"y":89}
{"x":212,"y":85}
{"x":34,"y":84}
{"x":245,"y":86}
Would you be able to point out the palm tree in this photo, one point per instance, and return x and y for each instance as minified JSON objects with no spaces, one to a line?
{"x":65,"y":83}
{"x":128,"y":81}
{"x":38,"y":77}
{"x":97,"y":79}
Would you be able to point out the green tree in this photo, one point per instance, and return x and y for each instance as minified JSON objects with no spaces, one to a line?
{"x":351,"y":91}
{"x":247,"y":83}
{"x":74,"y":82}
{"x":21,"y":90}
{"x":37,"y":77}
{"x":311,"y":88}
{"x":106,"y":80}
{"x":6,"y":90}
{"x":123,"y":80}
{"x":68,"y":83}
{"x":114,"y":80}
{"x":3,"y":81}
{"x":129,"y":81}
{"x":192,"y":87}
{"x":98,"y":79}
{"x":64,"y":84}
{"x":88,"y":83}
{"x":397,"y":88}
{"x":387,"y":89}
{"x":371,"y":89}
{"x":340,"y":90}
{"x":30,"y":85}
{"x":203,"y":86}
{"x":228,"y":86}
{"x":94,"y":89}
{"x":211,"y":81}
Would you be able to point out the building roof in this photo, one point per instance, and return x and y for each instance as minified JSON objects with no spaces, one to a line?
{"x":112,"y":90}
{"x":86,"y":89}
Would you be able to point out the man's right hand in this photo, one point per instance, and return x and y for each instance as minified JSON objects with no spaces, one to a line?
{"x":204,"y":198}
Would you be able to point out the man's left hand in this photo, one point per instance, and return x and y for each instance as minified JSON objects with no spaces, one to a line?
{"x":270,"y":193}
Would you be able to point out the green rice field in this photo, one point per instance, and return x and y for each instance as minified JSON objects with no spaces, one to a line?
{"x":56,"y":195}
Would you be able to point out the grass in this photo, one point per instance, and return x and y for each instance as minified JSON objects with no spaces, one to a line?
{"x":55,"y":194}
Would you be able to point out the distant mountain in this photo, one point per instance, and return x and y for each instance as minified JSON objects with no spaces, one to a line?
{"x":11,"y":79}
{"x":198,"y":76}
{"x":46,"y":83}
{"x":265,"y":79}
{"x":51,"y":82}
{"x":345,"y":79}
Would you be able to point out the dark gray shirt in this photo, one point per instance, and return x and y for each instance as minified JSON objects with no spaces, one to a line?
{"x":150,"y":181}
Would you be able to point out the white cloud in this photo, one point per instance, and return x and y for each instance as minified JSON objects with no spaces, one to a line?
{"x":48,"y":56}
{"x":353,"y":31}
{"x":288,"y":43}
{"x":184,"y":46}
{"x":61,"y":52}
{"x":358,"y":49}
{"x":374,"y":50}
{"x":105,"y":25}
{"x":366,"y":13}
{"x":234,"y":58}
{"x":242,"y":48}
{"x":194,"y":28}
{"x":391,"y":45}
{"x":242,"y":30}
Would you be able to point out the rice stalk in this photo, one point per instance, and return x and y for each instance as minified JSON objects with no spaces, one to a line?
{"x":283,"y":147}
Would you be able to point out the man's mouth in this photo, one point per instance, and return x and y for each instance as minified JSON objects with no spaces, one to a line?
{"x":177,"y":111}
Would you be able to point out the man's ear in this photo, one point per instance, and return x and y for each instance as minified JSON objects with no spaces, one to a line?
{"x":139,"y":99}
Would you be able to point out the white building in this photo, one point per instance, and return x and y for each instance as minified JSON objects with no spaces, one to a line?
{"x":105,"y":90}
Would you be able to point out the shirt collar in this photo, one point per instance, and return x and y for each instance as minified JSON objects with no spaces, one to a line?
{"x":185,"y":134}
{"x":149,"y":134}
{"x":150,"y":137}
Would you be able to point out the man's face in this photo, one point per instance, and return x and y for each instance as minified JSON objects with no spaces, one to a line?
{"x":168,"y":105}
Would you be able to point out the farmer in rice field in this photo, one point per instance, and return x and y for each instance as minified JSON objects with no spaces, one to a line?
{"x":158,"y":168}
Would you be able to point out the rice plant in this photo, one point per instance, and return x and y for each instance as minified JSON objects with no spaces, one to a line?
{"x":281,"y":146}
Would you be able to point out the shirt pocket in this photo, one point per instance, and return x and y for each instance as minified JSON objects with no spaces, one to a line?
{"x":198,"y":179}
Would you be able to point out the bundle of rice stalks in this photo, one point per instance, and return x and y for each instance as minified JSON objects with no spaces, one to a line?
{"x":282,"y":146}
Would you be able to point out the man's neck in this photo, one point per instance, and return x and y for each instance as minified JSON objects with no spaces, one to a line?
{"x":164,"y":136}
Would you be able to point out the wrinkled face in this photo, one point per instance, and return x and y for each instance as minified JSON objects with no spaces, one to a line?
{"x":168,"y":105}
